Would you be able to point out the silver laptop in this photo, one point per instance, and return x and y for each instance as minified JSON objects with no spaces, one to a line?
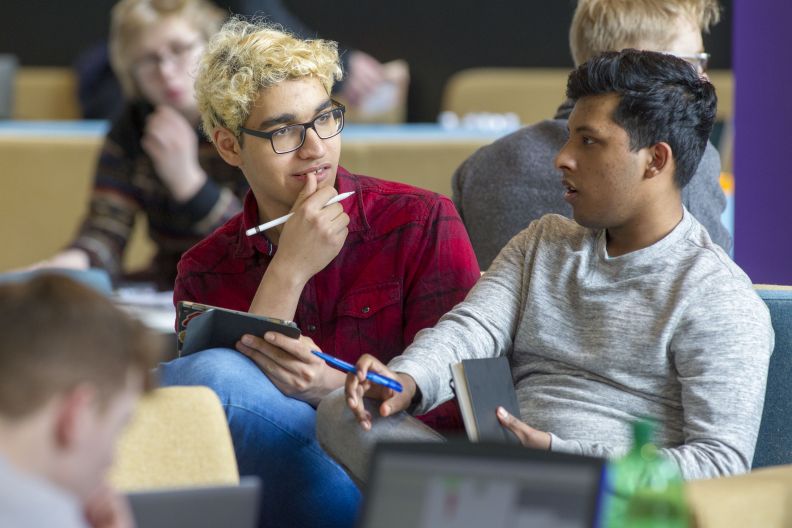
{"x":444,"y":485}
{"x":199,"y":507}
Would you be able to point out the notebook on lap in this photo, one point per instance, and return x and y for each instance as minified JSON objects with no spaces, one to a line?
{"x":198,"y":507}
{"x":444,"y":485}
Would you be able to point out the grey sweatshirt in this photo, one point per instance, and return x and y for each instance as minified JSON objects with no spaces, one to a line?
{"x":673,"y":332}
{"x":30,"y":501}
{"x":504,"y":186}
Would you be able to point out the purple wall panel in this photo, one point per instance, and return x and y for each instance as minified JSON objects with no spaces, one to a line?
{"x":762,"y":63}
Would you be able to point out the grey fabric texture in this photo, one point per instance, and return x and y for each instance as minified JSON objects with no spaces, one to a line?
{"x":340,"y":435}
{"x":673,"y":332}
{"x":506,"y":185}
{"x":32,"y":502}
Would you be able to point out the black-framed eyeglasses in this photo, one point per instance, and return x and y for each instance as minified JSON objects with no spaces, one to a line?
{"x":290,"y":138}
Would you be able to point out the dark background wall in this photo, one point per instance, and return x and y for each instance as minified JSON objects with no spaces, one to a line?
{"x":436,"y":37}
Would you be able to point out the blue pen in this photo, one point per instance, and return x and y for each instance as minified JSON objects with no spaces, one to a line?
{"x":348,"y":367}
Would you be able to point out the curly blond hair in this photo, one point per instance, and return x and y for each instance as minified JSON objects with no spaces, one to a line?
{"x":246,"y":56}
{"x":130,"y":17}
{"x":612,"y":25}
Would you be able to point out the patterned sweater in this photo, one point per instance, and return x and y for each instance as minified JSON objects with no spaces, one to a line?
{"x":126,"y":184}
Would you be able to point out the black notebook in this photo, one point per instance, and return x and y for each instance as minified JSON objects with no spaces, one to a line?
{"x":200,"y":326}
{"x":481,"y":386}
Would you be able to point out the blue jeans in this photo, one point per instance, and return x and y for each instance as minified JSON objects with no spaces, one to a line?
{"x":275,"y":439}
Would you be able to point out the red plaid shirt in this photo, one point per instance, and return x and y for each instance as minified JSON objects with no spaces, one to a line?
{"x":406,"y":261}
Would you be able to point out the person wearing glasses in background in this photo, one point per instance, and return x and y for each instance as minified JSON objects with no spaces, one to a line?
{"x":153,"y":159}
{"x":363,"y":275}
{"x":504,"y":186}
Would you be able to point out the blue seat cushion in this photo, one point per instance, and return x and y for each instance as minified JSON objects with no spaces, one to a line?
{"x":95,"y":278}
{"x":774,"y":444}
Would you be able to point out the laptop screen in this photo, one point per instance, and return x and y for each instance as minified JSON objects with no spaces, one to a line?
{"x":473,"y":485}
{"x":198,"y":507}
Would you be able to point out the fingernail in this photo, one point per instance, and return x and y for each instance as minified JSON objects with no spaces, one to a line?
{"x":269,"y":336}
{"x":385,"y":410}
{"x":247,"y":339}
{"x":502,"y":412}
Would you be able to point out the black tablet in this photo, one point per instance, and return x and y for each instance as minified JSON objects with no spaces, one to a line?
{"x":202,"y":327}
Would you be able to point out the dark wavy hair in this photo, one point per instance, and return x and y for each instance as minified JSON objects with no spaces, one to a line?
{"x":661,"y":99}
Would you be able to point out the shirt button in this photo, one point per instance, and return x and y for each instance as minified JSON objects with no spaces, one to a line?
{"x":365,"y":309}
{"x":311,"y":328}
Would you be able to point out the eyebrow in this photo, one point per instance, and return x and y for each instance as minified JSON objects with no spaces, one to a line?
{"x":291,"y":118}
{"x":582,"y":129}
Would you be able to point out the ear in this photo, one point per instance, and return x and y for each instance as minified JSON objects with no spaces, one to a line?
{"x":228,"y":146}
{"x":660,"y":161}
{"x":72,"y":415}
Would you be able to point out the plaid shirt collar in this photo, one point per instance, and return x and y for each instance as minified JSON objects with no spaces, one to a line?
{"x":353,"y":206}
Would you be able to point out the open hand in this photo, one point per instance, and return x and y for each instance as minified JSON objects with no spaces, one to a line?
{"x":68,"y":258}
{"x":291,"y":366}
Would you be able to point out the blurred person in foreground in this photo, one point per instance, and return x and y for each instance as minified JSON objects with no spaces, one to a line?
{"x":72,"y":367}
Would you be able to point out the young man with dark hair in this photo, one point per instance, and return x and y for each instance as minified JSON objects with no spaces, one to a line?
{"x":504,"y":186}
{"x":629,"y":311}
{"x":72,"y":366}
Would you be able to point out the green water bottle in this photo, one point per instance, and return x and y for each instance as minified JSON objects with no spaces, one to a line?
{"x":644,"y":488}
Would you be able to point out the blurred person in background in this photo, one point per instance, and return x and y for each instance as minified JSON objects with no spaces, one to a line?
{"x":504,"y":186}
{"x":363,"y":74}
{"x":369,"y":88}
{"x":154,"y":160}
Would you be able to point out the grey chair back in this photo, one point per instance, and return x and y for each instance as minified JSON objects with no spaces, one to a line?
{"x":8,"y":67}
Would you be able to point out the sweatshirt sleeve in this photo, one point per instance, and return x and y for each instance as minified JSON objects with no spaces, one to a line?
{"x":722,"y":371}
{"x":114,"y":203}
{"x":481,"y":326}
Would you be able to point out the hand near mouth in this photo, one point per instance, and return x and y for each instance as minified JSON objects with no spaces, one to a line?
{"x":169,"y":140}
{"x":313,"y":237}
{"x":307,"y":242}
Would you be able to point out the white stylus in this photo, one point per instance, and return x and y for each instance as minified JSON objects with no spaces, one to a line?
{"x":282,"y":220}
